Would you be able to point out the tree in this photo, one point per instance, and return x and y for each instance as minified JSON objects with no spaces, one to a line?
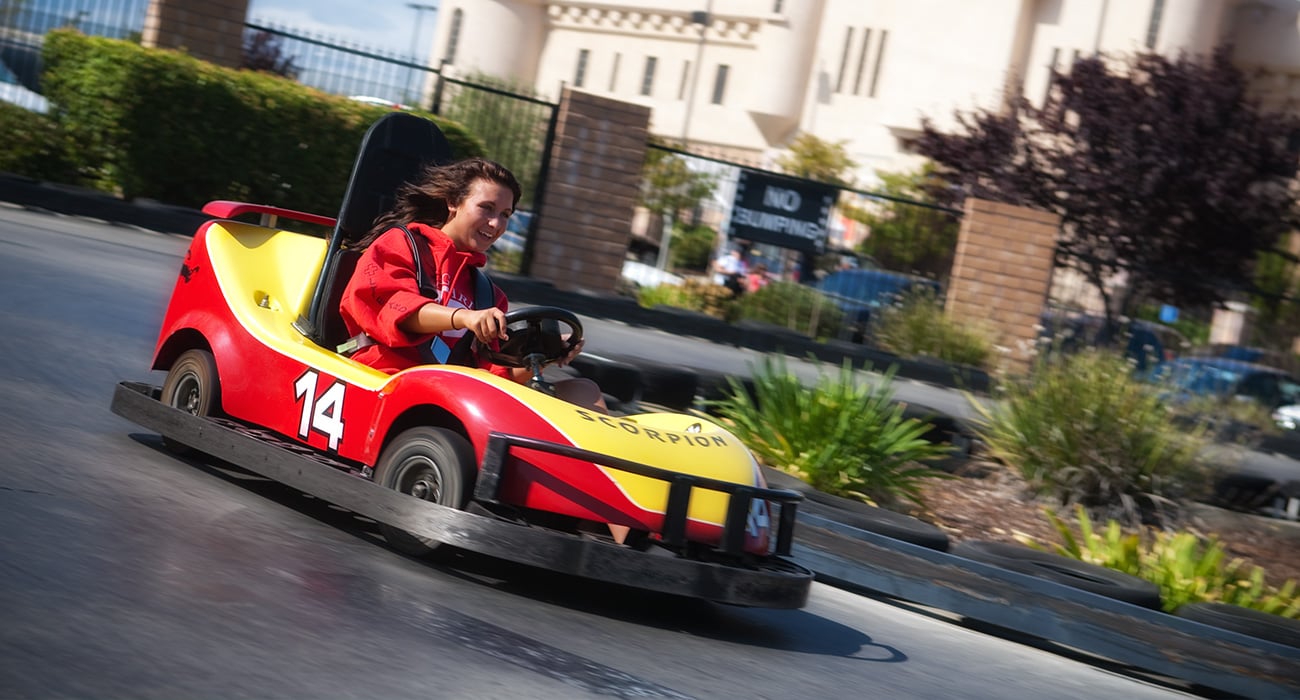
{"x":510,"y":120}
{"x":812,"y":158}
{"x":670,"y":186}
{"x":906,"y":234}
{"x":1163,"y":170}
{"x":263,"y":52}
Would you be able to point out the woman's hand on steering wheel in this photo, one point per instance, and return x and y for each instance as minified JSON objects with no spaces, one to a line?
{"x":577,"y":350}
{"x":487,"y":324}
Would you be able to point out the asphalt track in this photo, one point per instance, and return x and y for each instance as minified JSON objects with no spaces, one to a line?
{"x":125,"y":572}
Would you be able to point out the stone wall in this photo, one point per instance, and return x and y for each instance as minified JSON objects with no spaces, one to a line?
{"x":1002,"y":273}
{"x":590,"y":193}
{"x":211,"y":30}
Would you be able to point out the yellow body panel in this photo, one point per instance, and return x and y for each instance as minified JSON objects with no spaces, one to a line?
{"x":267,"y":277}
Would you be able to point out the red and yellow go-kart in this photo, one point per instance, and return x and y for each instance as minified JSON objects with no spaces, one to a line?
{"x":447,"y":454}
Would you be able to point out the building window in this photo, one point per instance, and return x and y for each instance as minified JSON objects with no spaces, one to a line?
{"x":648,"y":79}
{"x":844,"y":60}
{"x":686,"y":79}
{"x":453,"y":36}
{"x":720,"y":84}
{"x":1153,"y":27}
{"x":613,"y":72}
{"x":862,"y":61}
{"x":580,"y":75}
{"x":880,"y":58}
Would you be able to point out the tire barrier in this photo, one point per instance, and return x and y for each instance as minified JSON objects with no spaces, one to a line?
{"x":1061,"y":569}
{"x":861,"y":515}
{"x":670,"y":386}
{"x":1254,"y":623}
{"x":617,"y":379}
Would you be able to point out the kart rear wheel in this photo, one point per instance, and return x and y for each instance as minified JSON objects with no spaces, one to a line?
{"x":433,"y":464}
{"x":192,"y":386}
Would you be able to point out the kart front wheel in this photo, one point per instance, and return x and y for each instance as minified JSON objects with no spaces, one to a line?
{"x":432,"y":464}
{"x":192,"y":386}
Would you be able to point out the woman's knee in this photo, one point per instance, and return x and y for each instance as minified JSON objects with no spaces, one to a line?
{"x":580,"y":391}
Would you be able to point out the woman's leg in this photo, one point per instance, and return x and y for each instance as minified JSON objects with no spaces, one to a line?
{"x":584,"y":392}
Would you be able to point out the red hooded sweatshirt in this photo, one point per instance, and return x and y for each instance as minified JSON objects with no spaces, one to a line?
{"x":383,"y":291}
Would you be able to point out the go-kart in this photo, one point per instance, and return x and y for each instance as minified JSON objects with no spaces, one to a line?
{"x":446,"y":455}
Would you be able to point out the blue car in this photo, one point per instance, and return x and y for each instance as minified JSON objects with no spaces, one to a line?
{"x":1219,"y":377}
{"x":860,"y":292}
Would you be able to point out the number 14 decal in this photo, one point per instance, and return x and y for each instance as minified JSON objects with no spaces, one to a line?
{"x":323,"y":413}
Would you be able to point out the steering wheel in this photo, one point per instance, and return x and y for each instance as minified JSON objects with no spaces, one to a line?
{"x":536,"y":340}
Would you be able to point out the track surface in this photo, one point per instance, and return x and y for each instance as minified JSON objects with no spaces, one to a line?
{"x":125,"y":572}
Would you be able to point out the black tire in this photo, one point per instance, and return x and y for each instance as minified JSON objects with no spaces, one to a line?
{"x":881,"y":521}
{"x":1255,"y":623}
{"x":668,"y":385}
{"x":1063,"y":570}
{"x":192,"y":385}
{"x":618,"y":379}
{"x":434,"y":464}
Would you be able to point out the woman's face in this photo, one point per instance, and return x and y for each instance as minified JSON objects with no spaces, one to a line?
{"x":476,"y":223}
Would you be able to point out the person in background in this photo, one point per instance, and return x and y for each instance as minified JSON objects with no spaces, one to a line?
{"x":756,"y":279}
{"x":729,"y":270}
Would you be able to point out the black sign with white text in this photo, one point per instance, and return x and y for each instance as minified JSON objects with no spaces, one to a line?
{"x":784,"y":212}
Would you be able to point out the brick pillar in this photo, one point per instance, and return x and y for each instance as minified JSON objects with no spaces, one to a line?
{"x":211,"y":30}
{"x":590,"y":193}
{"x":1002,"y":273}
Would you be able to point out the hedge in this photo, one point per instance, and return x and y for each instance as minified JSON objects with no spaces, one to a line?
{"x":164,"y":125}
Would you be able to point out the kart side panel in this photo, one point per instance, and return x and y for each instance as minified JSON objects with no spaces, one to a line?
{"x":773,"y":583}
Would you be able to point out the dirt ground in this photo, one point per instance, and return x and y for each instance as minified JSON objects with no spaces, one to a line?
{"x":990,"y":502}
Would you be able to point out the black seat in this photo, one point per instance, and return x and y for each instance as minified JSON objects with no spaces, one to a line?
{"x":395,"y":149}
{"x":333,"y":331}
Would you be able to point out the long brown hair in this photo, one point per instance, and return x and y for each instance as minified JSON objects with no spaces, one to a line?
{"x":425,"y":199}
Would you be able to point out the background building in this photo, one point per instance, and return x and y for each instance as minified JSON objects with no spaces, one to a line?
{"x":741,"y":78}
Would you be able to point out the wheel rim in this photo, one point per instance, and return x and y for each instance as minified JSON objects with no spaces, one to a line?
{"x":420,"y":478}
{"x":188,"y":394}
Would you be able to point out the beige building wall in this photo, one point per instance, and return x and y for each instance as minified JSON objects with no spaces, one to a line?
{"x":211,"y":30}
{"x":1001,"y":274}
{"x":864,"y":72}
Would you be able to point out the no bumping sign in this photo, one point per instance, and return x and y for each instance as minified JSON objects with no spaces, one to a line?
{"x":785,"y":212}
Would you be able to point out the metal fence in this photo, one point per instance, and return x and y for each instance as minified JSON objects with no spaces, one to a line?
{"x":23,"y":26}
{"x":514,"y":124}
{"x":835,"y":293}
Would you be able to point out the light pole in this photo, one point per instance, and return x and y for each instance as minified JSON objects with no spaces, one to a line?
{"x":415,"y":40}
{"x":702,"y":19}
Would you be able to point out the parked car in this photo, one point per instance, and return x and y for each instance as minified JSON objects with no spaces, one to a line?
{"x":1191,"y":377}
{"x":379,"y":102}
{"x":861,"y":292}
{"x":13,"y":91}
{"x":1146,"y":343}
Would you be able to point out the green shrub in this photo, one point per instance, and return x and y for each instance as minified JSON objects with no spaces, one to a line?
{"x":1187,"y":568}
{"x":161,"y":124}
{"x":840,"y":436}
{"x":794,"y":306}
{"x":692,"y":247}
{"x":918,"y":327}
{"x":692,"y":294}
{"x":32,"y":145}
{"x":1083,"y":430}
